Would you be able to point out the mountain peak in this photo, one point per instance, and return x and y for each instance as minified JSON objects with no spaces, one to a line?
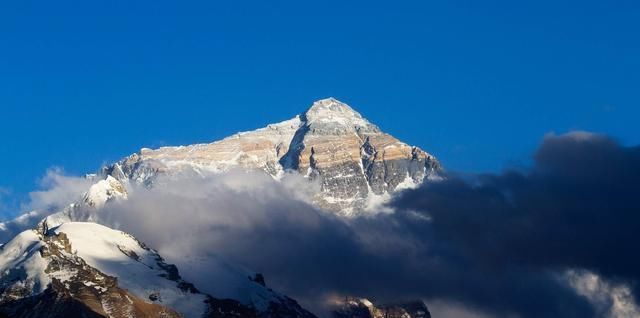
{"x":328,"y":109}
{"x":329,"y":103}
{"x":330,"y":116}
{"x":356,"y":164}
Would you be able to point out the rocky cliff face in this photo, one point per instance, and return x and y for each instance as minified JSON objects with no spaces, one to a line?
{"x":355,"y":162}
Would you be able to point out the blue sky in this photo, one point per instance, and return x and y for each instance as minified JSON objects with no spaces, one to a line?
{"x":476,"y":83}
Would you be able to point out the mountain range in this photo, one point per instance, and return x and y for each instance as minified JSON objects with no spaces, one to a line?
{"x":61,"y":263}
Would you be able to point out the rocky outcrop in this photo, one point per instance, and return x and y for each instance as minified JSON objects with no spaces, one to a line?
{"x":363,"y":308}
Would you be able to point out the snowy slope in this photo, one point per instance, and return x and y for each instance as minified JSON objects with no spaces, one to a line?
{"x":139,"y":269}
{"x":23,"y":267}
{"x":110,"y":270}
{"x":31,"y":261}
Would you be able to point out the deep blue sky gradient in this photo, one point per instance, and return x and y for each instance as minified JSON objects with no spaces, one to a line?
{"x":476,"y":83}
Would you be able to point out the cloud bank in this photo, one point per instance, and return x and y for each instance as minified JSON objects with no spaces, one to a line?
{"x":515,"y":244}
{"x":578,"y":207}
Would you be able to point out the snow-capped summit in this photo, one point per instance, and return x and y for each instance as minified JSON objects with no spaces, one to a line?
{"x":331,"y":110}
{"x":103,"y":191}
{"x":332,"y":106}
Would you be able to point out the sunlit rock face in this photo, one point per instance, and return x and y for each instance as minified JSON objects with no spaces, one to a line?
{"x":355,"y":162}
{"x":353,"y":158}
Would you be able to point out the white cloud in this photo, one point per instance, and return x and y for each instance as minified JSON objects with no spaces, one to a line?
{"x":57,"y":190}
{"x":613,"y":300}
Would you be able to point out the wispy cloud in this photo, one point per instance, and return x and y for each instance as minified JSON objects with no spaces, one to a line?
{"x":57,"y":190}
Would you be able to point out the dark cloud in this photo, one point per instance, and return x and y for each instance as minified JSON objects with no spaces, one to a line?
{"x":578,"y":207}
{"x":493,"y":244}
